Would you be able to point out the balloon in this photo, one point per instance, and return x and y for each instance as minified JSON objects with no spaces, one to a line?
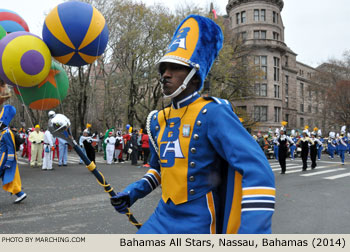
{"x":76,"y":33}
{"x":49,"y":93}
{"x":12,"y":22}
{"x":25,"y":59}
{"x":2,"y":32}
{"x":127,"y":126}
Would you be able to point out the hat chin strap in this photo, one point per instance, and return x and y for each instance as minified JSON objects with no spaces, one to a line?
{"x":183,"y":85}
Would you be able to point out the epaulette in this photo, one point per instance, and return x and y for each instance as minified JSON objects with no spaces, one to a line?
{"x":217,"y":100}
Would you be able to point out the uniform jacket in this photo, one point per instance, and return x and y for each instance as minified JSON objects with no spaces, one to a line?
{"x":342,"y":142}
{"x":206,"y":148}
{"x":10,"y":176}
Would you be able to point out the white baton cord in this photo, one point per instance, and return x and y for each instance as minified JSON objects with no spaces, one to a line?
{"x":148,"y":127}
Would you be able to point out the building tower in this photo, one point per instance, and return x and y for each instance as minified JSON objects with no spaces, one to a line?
{"x":277,"y":94}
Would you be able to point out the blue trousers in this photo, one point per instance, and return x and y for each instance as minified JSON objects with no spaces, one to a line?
{"x":319,"y":152}
{"x":84,"y":151}
{"x":187,"y":218}
{"x":63,"y":149}
{"x":292,"y":150}
{"x":342,"y":155}
{"x":275,"y":151}
{"x":331,"y":152}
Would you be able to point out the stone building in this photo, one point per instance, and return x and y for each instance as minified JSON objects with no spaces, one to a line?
{"x":286,"y":91}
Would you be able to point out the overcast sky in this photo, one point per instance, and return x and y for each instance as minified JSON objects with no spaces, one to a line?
{"x":316,"y":30}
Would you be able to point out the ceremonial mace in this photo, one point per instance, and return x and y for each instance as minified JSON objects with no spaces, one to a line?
{"x":59,"y":126}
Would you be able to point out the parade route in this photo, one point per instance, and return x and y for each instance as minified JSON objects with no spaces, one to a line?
{"x":68,"y":200}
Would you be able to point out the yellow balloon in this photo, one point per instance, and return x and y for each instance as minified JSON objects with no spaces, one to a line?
{"x":25,"y":60}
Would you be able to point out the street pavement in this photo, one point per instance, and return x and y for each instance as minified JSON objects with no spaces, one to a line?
{"x":69,"y":200}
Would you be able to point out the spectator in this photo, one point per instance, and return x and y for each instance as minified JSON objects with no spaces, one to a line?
{"x":145,"y":148}
{"x":37,"y":139}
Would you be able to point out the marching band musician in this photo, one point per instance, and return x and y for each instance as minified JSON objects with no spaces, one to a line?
{"x":319,"y":146}
{"x":275,"y":145}
{"x":210,"y":184}
{"x":86,"y":141}
{"x":9,"y":172}
{"x":313,"y":149}
{"x":304,"y":142}
{"x":293,"y":146}
{"x":282,"y":142}
{"x":342,"y":144}
{"x":331,"y":144}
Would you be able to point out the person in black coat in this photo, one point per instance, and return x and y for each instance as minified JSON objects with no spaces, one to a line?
{"x":304,"y":142}
{"x":282,"y":142}
{"x":313,"y":149}
{"x":134,"y":147}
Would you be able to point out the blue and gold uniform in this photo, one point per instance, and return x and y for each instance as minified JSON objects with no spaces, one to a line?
{"x":210,"y":184}
{"x":11,"y":179}
{"x":8,"y":159}
{"x":214,"y":176}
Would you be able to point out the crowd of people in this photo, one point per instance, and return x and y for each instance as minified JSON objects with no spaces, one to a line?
{"x":134,"y":146}
{"x":41,"y":148}
{"x":311,"y":145}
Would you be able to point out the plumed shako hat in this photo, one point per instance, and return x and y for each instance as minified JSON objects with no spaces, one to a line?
{"x":6,"y":114}
{"x":196,"y":43}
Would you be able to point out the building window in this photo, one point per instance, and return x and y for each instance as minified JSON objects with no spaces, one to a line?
{"x":244,"y":36}
{"x":259,"y":15}
{"x":256,"y":15}
{"x":277,"y":91}
{"x":260,"y":113}
{"x":256,"y":34}
{"x":287,"y":85}
{"x":316,"y":108}
{"x":276,"y":69}
{"x":242,"y":108}
{"x":276,"y":36}
{"x":287,"y":102}
{"x":309,"y":109}
{"x":261,"y":61}
{"x":302,"y":107}
{"x":275,"y":17}
{"x":238,"y":18}
{"x":259,"y":34}
{"x":286,"y":63}
{"x":277,"y":114}
{"x":287,"y":117}
{"x":263,"y":15}
{"x":302,"y":122}
{"x":302,"y":89}
{"x":261,"y":89}
{"x":243,"y":17}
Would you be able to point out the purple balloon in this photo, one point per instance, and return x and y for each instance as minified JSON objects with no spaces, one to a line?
{"x":32,"y":62}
